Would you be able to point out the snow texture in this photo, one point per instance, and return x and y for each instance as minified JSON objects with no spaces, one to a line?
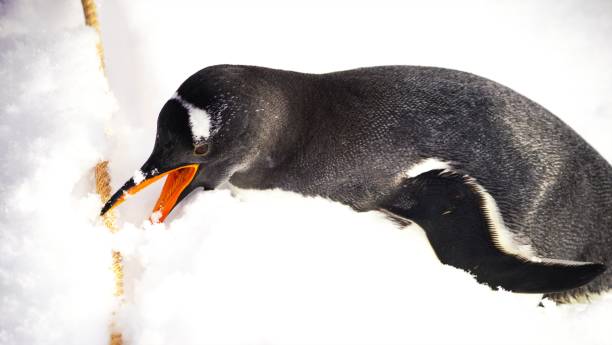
{"x":247,"y":267}
{"x":54,"y":104}
{"x":138,"y":177}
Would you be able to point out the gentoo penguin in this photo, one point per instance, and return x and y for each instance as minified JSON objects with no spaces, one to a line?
{"x":502,"y":188}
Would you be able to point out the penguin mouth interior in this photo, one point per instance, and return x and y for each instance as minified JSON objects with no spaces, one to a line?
{"x":177,"y":180}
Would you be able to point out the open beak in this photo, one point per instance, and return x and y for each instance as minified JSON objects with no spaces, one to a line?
{"x":178,"y":179}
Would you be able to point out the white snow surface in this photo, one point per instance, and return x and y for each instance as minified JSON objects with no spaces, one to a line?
{"x":54,"y":104}
{"x":138,"y":176}
{"x":245,"y":267}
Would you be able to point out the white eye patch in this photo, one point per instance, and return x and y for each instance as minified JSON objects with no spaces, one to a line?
{"x":199,"y":120}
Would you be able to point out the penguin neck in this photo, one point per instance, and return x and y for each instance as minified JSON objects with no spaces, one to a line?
{"x":281,"y":124}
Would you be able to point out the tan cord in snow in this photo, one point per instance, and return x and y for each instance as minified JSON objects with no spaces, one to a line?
{"x":103,"y":177}
{"x":91,"y":19}
{"x":104,"y":190}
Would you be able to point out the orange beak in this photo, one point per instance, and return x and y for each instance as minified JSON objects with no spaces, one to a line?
{"x":177,"y":180}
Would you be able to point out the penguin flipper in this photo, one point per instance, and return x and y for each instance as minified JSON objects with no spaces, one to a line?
{"x":457,"y":217}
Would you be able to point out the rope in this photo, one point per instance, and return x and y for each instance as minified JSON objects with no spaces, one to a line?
{"x":102,"y":176}
{"x":104,"y":190}
{"x":91,"y":19}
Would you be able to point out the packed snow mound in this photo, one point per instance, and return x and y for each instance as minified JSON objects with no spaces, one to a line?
{"x":54,"y":259}
{"x":277,"y":268}
{"x":229,"y":266}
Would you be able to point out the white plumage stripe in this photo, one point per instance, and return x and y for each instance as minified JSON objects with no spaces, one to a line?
{"x":199,"y":119}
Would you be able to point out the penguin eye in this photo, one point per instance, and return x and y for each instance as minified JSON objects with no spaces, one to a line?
{"x":201,"y":149}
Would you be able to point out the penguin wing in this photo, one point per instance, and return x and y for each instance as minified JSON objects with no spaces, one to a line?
{"x":462,"y":224}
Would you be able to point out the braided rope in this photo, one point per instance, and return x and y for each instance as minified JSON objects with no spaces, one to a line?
{"x":102,"y":176}
{"x":103,"y":189}
{"x":91,"y":19}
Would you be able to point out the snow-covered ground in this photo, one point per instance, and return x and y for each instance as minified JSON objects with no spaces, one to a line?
{"x":264,"y":268}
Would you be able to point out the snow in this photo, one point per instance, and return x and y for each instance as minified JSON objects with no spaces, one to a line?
{"x":293,"y":270}
{"x":233,"y":266}
{"x":138,"y":177}
{"x":54,"y":255}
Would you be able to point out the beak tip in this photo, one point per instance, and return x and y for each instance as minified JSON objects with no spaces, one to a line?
{"x":104,"y":210}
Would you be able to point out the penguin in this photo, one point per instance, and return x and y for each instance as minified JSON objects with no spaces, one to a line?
{"x":502,"y":188}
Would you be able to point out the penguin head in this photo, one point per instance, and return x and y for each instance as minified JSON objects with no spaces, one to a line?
{"x":214,"y":126}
